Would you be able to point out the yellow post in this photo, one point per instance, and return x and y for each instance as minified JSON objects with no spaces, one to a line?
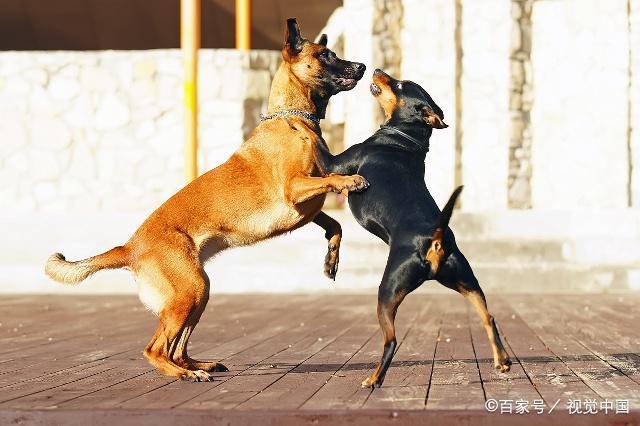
{"x":243,"y":24}
{"x":190,"y":43}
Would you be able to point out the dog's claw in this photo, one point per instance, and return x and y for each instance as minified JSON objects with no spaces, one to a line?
{"x":197,"y":376}
{"x":355,"y":183}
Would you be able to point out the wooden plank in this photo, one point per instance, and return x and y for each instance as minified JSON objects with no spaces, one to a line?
{"x":237,"y":357}
{"x":248,"y":331}
{"x":407,"y":380}
{"x":604,"y":380}
{"x":455,"y":371}
{"x":552,"y":379}
{"x":301,"y":383}
{"x":601,"y":336}
{"x":343,"y":388}
{"x":260,"y":376}
{"x":55,"y":368}
{"x":51,"y":381}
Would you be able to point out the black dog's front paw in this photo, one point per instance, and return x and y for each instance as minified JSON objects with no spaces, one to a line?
{"x":331,"y":261}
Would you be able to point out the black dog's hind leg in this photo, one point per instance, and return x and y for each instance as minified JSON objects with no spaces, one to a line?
{"x":459,"y":276}
{"x":333,"y":234}
{"x":404,"y":273}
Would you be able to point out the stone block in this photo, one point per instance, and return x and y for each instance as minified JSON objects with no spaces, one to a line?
{"x":49,"y":134}
{"x":62,"y":88}
{"x":97,"y":79}
{"x":112,"y":112}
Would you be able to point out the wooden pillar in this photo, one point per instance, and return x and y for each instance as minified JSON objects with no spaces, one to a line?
{"x":243,"y":24}
{"x":190,"y":43}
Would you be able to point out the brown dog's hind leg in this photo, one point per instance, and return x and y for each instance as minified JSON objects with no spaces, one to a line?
{"x":164,"y":341}
{"x":333,"y":234}
{"x":174,"y":285}
{"x":180,"y":355}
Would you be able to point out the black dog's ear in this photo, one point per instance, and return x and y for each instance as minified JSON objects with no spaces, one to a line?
{"x":323,"y":40}
{"x":293,"y":40}
{"x":432,"y":119}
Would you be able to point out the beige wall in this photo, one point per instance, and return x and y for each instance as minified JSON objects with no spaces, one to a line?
{"x":485,"y":103}
{"x":579,"y":117}
{"x":429,"y":27}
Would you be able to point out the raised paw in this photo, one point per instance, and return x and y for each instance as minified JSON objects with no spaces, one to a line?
{"x":353,"y":183}
{"x":331,"y":261}
{"x":197,"y":376}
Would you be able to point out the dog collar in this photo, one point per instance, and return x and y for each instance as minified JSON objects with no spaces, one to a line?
{"x":417,"y":142}
{"x":286,"y":112}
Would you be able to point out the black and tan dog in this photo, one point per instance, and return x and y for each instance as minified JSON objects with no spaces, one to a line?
{"x":399,"y":209}
{"x":271,"y":185}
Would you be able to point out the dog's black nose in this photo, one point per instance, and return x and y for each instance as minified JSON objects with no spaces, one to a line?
{"x":359,"y":67}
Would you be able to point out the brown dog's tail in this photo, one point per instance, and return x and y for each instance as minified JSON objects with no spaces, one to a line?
{"x":435,"y":254}
{"x":63,"y":271}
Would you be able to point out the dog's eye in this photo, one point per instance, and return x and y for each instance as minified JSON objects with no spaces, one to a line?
{"x":399,"y":85}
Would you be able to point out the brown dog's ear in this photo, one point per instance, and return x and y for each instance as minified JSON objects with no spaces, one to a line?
{"x":293,"y":40}
{"x":432,"y":118}
{"x":323,"y":40}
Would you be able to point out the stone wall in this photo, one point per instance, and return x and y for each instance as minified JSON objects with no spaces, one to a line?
{"x":520,"y":103}
{"x":102,"y":131}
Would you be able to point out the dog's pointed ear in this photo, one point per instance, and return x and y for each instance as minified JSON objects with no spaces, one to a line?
{"x":432,"y":118}
{"x":292,"y":40}
{"x":323,"y":40}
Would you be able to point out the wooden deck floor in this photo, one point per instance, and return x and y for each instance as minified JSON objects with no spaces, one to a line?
{"x":295,"y":359}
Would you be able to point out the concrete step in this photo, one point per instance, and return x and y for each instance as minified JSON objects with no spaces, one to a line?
{"x":503,"y":262}
{"x":259,"y":276}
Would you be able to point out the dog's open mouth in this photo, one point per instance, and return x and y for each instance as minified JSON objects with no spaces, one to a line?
{"x":346,"y":82}
{"x":375,"y":89}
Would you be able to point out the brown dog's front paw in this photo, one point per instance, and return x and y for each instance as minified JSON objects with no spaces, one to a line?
{"x":354,"y":183}
{"x":197,"y":376}
{"x":331,"y":261}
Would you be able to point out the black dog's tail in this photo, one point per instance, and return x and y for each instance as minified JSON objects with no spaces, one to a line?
{"x":435,"y":254}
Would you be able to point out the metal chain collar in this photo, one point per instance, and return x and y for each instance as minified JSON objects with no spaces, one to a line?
{"x":286,"y":112}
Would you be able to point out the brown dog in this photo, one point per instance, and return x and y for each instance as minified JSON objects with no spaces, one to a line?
{"x":271,"y":185}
